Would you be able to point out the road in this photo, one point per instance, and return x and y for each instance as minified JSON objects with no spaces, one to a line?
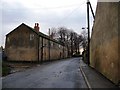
{"x":58,"y":74}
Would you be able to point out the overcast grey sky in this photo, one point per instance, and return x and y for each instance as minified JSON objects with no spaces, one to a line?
{"x":48,"y":13}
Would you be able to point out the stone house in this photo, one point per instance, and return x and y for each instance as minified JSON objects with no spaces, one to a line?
{"x":28,"y":44}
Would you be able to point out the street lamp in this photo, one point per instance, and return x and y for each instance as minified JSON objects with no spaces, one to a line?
{"x":88,"y":47}
{"x":84,"y":28}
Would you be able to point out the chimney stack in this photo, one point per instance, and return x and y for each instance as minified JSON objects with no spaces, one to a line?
{"x":36,"y":27}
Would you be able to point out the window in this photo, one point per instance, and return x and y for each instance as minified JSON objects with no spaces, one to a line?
{"x":31,"y":36}
{"x":8,"y":39}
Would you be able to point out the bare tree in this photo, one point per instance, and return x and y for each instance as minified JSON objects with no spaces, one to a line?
{"x":53,"y":33}
{"x":62,"y":33}
{"x":84,"y":39}
{"x":69,"y":38}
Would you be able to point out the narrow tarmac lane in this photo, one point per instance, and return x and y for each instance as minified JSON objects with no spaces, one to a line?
{"x":58,"y":74}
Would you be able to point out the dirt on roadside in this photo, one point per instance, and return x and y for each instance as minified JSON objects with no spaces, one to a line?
{"x":16,"y":66}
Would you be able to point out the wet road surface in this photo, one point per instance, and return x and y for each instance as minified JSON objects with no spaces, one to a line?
{"x":58,"y":74}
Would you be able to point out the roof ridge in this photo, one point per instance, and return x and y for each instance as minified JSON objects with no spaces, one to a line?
{"x":38,"y":33}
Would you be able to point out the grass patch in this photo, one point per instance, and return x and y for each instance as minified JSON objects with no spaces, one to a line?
{"x":5,"y":69}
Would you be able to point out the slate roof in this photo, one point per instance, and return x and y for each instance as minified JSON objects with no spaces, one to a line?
{"x":38,"y":33}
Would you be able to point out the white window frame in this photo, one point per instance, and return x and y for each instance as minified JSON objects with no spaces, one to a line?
{"x":31,"y":37}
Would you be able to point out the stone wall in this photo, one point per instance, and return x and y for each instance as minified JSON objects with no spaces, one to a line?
{"x":19,"y":47}
{"x":104,"y":44}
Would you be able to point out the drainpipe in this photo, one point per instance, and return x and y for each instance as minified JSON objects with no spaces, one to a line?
{"x":42,"y":50}
{"x":38,"y":48}
{"x":49,"y":44}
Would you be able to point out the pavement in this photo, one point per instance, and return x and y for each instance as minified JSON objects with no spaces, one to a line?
{"x":93,"y":78}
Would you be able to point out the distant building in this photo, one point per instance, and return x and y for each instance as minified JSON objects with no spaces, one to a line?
{"x":27,"y":44}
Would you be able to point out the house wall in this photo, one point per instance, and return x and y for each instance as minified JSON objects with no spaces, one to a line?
{"x":20,"y":46}
{"x":104,"y":48}
{"x":45,"y":50}
{"x":55,"y":51}
{"x":40,"y":48}
{"x":52,"y":52}
{"x":24,"y":44}
{"x":65,"y":52}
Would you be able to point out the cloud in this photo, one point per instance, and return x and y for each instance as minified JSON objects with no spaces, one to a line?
{"x":53,"y":13}
{"x":108,"y":0}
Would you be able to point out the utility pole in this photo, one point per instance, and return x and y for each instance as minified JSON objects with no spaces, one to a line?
{"x":88,"y":28}
{"x":88,"y":20}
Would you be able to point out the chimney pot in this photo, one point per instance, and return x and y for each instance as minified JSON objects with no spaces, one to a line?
{"x":36,"y":27}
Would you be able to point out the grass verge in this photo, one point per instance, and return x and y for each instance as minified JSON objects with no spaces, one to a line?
{"x":5,"y":69}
